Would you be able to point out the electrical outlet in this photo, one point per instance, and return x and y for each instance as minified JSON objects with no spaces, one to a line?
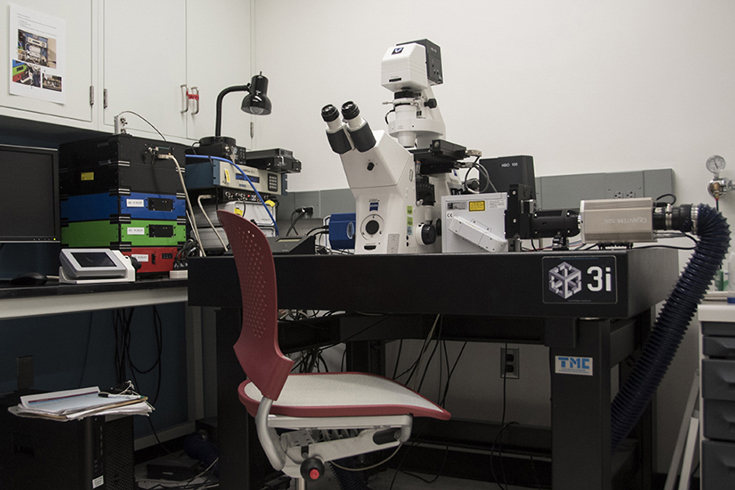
{"x":510,"y":363}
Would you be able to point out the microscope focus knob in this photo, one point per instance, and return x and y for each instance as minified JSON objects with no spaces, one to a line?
{"x":427,"y":233}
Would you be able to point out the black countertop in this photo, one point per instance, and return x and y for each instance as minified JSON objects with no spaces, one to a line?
{"x":503,"y":284}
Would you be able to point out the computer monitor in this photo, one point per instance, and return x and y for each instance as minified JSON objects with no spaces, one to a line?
{"x":29,"y":194}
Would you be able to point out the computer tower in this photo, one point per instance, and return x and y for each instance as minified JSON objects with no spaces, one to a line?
{"x":95,"y":453}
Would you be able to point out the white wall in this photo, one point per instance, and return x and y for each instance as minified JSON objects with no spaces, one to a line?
{"x":582,"y":86}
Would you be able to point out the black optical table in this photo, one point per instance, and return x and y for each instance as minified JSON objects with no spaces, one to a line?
{"x":592,"y":309}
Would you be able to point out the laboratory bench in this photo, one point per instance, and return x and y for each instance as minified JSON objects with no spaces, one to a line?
{"x":53,"y":298}
{"x":594,"y":305}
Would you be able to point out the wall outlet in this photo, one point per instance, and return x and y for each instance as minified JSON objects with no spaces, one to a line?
{"x":510,"y":363}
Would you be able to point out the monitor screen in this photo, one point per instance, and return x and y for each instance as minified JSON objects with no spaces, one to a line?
{"x":29,"y":194}
{"x":92,"y":259}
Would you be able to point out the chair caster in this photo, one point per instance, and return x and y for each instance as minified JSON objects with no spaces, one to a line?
{"x":312,"y":469}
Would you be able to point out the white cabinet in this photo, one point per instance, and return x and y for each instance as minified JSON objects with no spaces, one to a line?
{"x":144,"y":64}
{"x":218,"y":56}
{"x":144,"y":56}
{"x":78,"y":72}
{"x":155,"y":53}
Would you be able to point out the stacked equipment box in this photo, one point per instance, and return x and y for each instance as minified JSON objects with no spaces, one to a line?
{"x":117,"y":193}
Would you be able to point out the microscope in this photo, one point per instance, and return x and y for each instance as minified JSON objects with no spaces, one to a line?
{"x":398,"y":178}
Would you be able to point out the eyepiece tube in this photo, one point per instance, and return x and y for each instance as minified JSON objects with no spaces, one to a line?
{"x":350,"y":110}
{"x":336,"y":133}
{"x":360,"y":132}
{"x":329,"y":113}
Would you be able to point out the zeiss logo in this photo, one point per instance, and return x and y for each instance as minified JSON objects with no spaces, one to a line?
{"x":574,"y":365}
{"x":374,"y":206}
{"x":565,"y":280}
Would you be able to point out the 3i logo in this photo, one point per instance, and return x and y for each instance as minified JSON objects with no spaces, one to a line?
{"x":574,"y":365}
{"x":565,"y":280}
{"x":582,"y":279}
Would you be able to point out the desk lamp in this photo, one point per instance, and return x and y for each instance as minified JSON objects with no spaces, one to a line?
{"x":256,"y":102}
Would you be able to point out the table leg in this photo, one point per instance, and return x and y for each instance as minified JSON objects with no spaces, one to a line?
{"x":580,"y":406}
{"x":242,"y":462}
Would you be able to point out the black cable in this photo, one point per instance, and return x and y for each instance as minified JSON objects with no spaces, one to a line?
{"x":146,"y":120}
{"x":500,"y":454}
{"x":158,"y":331}
{"x":323,"y":228}
{"x":423,"y":423}
{"x":324,"y":362}
{"x":667,"y":195}
{"x":666,"y":246}
{"x":155,"y":434}
{"x":302,"y":213}
{"x":398,"y":358}
{"x":449,"y":376}
{"x":442,"y":350}
{"x":414,"y":367}
{"x":428,"y":362}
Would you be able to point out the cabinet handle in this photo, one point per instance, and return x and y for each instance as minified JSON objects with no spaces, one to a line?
{"x":194,"y":95}
{"x":184,"y":99}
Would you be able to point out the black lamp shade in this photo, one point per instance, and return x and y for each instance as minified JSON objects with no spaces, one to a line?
{"x":257,"y":102}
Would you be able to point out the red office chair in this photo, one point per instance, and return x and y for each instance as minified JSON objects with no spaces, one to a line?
{"x":327,"y":415}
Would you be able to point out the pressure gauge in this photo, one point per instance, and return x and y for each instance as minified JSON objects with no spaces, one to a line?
{"x":715,"y":164}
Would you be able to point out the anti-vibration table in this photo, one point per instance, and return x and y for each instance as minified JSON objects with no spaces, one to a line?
{"x":592,"y":309}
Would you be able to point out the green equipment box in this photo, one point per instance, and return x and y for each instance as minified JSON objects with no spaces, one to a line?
{"x":123,"y":235}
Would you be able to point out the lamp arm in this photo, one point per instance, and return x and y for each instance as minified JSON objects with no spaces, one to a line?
{"x":220,"y":97}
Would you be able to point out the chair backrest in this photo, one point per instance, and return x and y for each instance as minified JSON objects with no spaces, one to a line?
{"x":257,"y":348}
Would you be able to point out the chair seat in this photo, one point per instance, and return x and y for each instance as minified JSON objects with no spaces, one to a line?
{"x":342,"y":394}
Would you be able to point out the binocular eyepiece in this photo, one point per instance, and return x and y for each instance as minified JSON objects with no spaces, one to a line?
{"x":355,"y":129}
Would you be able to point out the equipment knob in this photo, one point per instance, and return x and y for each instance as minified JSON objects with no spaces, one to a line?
{"x":312,"y":469}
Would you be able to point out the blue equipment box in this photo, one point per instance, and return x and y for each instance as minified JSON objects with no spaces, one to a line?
{"x":342,"y":231}
{"x":136,"y":205}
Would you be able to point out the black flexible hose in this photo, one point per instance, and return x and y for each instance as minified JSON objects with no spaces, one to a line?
{"x":672,"y":322}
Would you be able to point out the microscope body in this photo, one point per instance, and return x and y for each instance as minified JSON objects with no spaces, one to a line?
{"x":398,"y":207}
{"x":393,"y":213}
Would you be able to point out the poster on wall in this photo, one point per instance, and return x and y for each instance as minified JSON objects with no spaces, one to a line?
{"x":37,"y":48}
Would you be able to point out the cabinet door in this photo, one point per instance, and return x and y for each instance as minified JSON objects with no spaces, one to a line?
{"x":76,"y":43}
{"x":144,"y":52}
{"x":218,"y":56}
